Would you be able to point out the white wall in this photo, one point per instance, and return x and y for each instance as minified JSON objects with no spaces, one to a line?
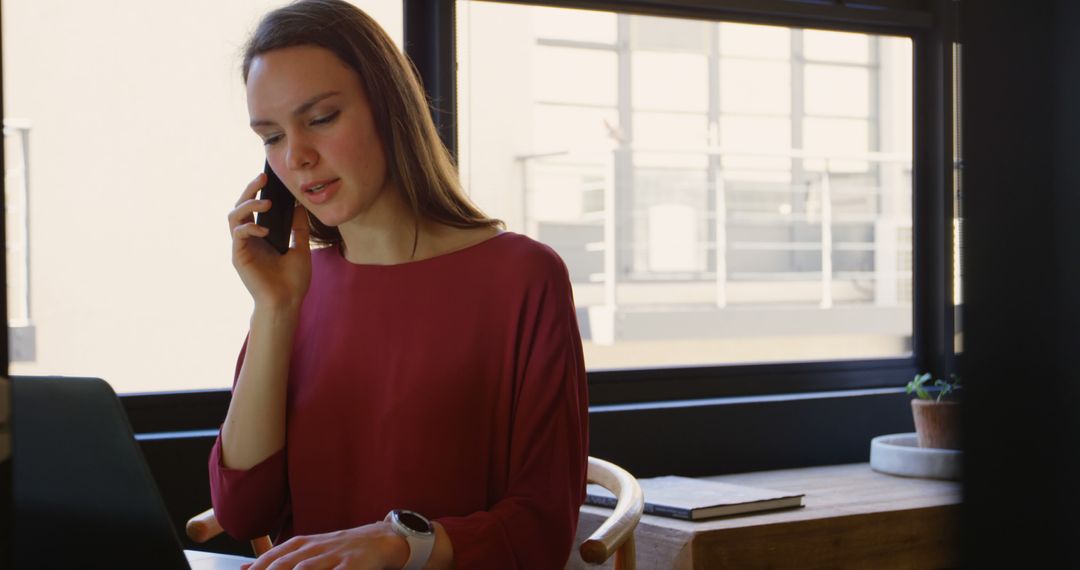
{"x":139,"y":148}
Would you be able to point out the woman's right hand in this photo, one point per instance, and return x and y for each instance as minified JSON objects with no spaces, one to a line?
{"x":275,"y":281}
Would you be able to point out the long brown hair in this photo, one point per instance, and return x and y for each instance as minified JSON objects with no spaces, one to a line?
{"x":417,"y":161}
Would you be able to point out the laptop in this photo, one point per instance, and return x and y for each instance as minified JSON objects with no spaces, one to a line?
{"x":83,"y":495}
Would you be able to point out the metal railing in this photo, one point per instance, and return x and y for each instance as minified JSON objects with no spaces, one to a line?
{"x":819,"y":182}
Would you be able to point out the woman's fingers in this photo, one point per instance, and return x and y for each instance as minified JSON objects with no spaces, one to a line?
{"x":245,"y":212}
{"x":252,"y":188}
{"x":244,"y":231}
{"x":247,"y":205}
{"x":282,"y":555}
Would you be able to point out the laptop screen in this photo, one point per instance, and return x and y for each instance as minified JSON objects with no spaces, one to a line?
{"x":83,"y":495}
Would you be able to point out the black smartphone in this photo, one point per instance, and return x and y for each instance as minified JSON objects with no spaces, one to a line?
{"x":278,"y":219}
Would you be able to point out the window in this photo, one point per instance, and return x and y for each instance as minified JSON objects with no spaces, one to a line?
{"x":719,"y":148}
{"x":721,"y":192}
{"x":127,"y":128}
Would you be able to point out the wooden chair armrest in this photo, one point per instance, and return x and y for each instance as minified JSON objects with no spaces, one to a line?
{"x":261,"y":545}
{"x":619,"y":527}
{"x":203,"y":526}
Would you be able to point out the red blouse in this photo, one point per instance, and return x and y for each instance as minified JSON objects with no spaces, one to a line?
{"x":452,"y":386}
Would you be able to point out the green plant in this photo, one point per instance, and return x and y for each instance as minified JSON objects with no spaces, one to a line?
{"x":945,"y":387}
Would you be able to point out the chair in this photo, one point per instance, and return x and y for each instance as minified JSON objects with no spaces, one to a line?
{"x":615,"y":535}
{"x":204,"y":526}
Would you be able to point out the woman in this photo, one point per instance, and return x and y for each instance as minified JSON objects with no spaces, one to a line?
{"x":421,"y":361}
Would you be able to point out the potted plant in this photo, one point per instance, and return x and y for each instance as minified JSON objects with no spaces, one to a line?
{"x":937,"y":417}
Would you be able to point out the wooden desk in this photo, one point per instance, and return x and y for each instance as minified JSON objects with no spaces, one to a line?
{"x":854,"y":518}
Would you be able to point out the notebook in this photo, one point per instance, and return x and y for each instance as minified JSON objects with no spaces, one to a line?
{"x":697,"y":499}
{"x":83,"y":495}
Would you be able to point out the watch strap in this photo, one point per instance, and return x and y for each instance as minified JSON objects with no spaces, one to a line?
{"x":420,"y":545}
{"x":419,"y":551}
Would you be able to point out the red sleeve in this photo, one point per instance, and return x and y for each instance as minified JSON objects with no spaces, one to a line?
{"x":248,"y":503}
{"x":533,"y":524}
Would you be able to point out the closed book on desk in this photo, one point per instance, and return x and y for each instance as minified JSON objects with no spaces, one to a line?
{"x":697,"y":499}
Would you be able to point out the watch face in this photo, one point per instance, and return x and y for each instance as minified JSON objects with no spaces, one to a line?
{"x":413,"y":521}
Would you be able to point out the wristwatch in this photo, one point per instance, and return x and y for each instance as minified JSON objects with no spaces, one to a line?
{"x":417,"y":531}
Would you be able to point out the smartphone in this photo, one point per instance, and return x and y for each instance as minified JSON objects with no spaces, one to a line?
{"x":278,"y":219}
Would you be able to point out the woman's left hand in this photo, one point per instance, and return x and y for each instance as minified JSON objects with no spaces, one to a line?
{"x":374,"y":546}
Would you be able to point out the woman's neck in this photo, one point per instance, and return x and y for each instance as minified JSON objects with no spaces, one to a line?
{"x":389,"y":233}
{"x":384,"y":234}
